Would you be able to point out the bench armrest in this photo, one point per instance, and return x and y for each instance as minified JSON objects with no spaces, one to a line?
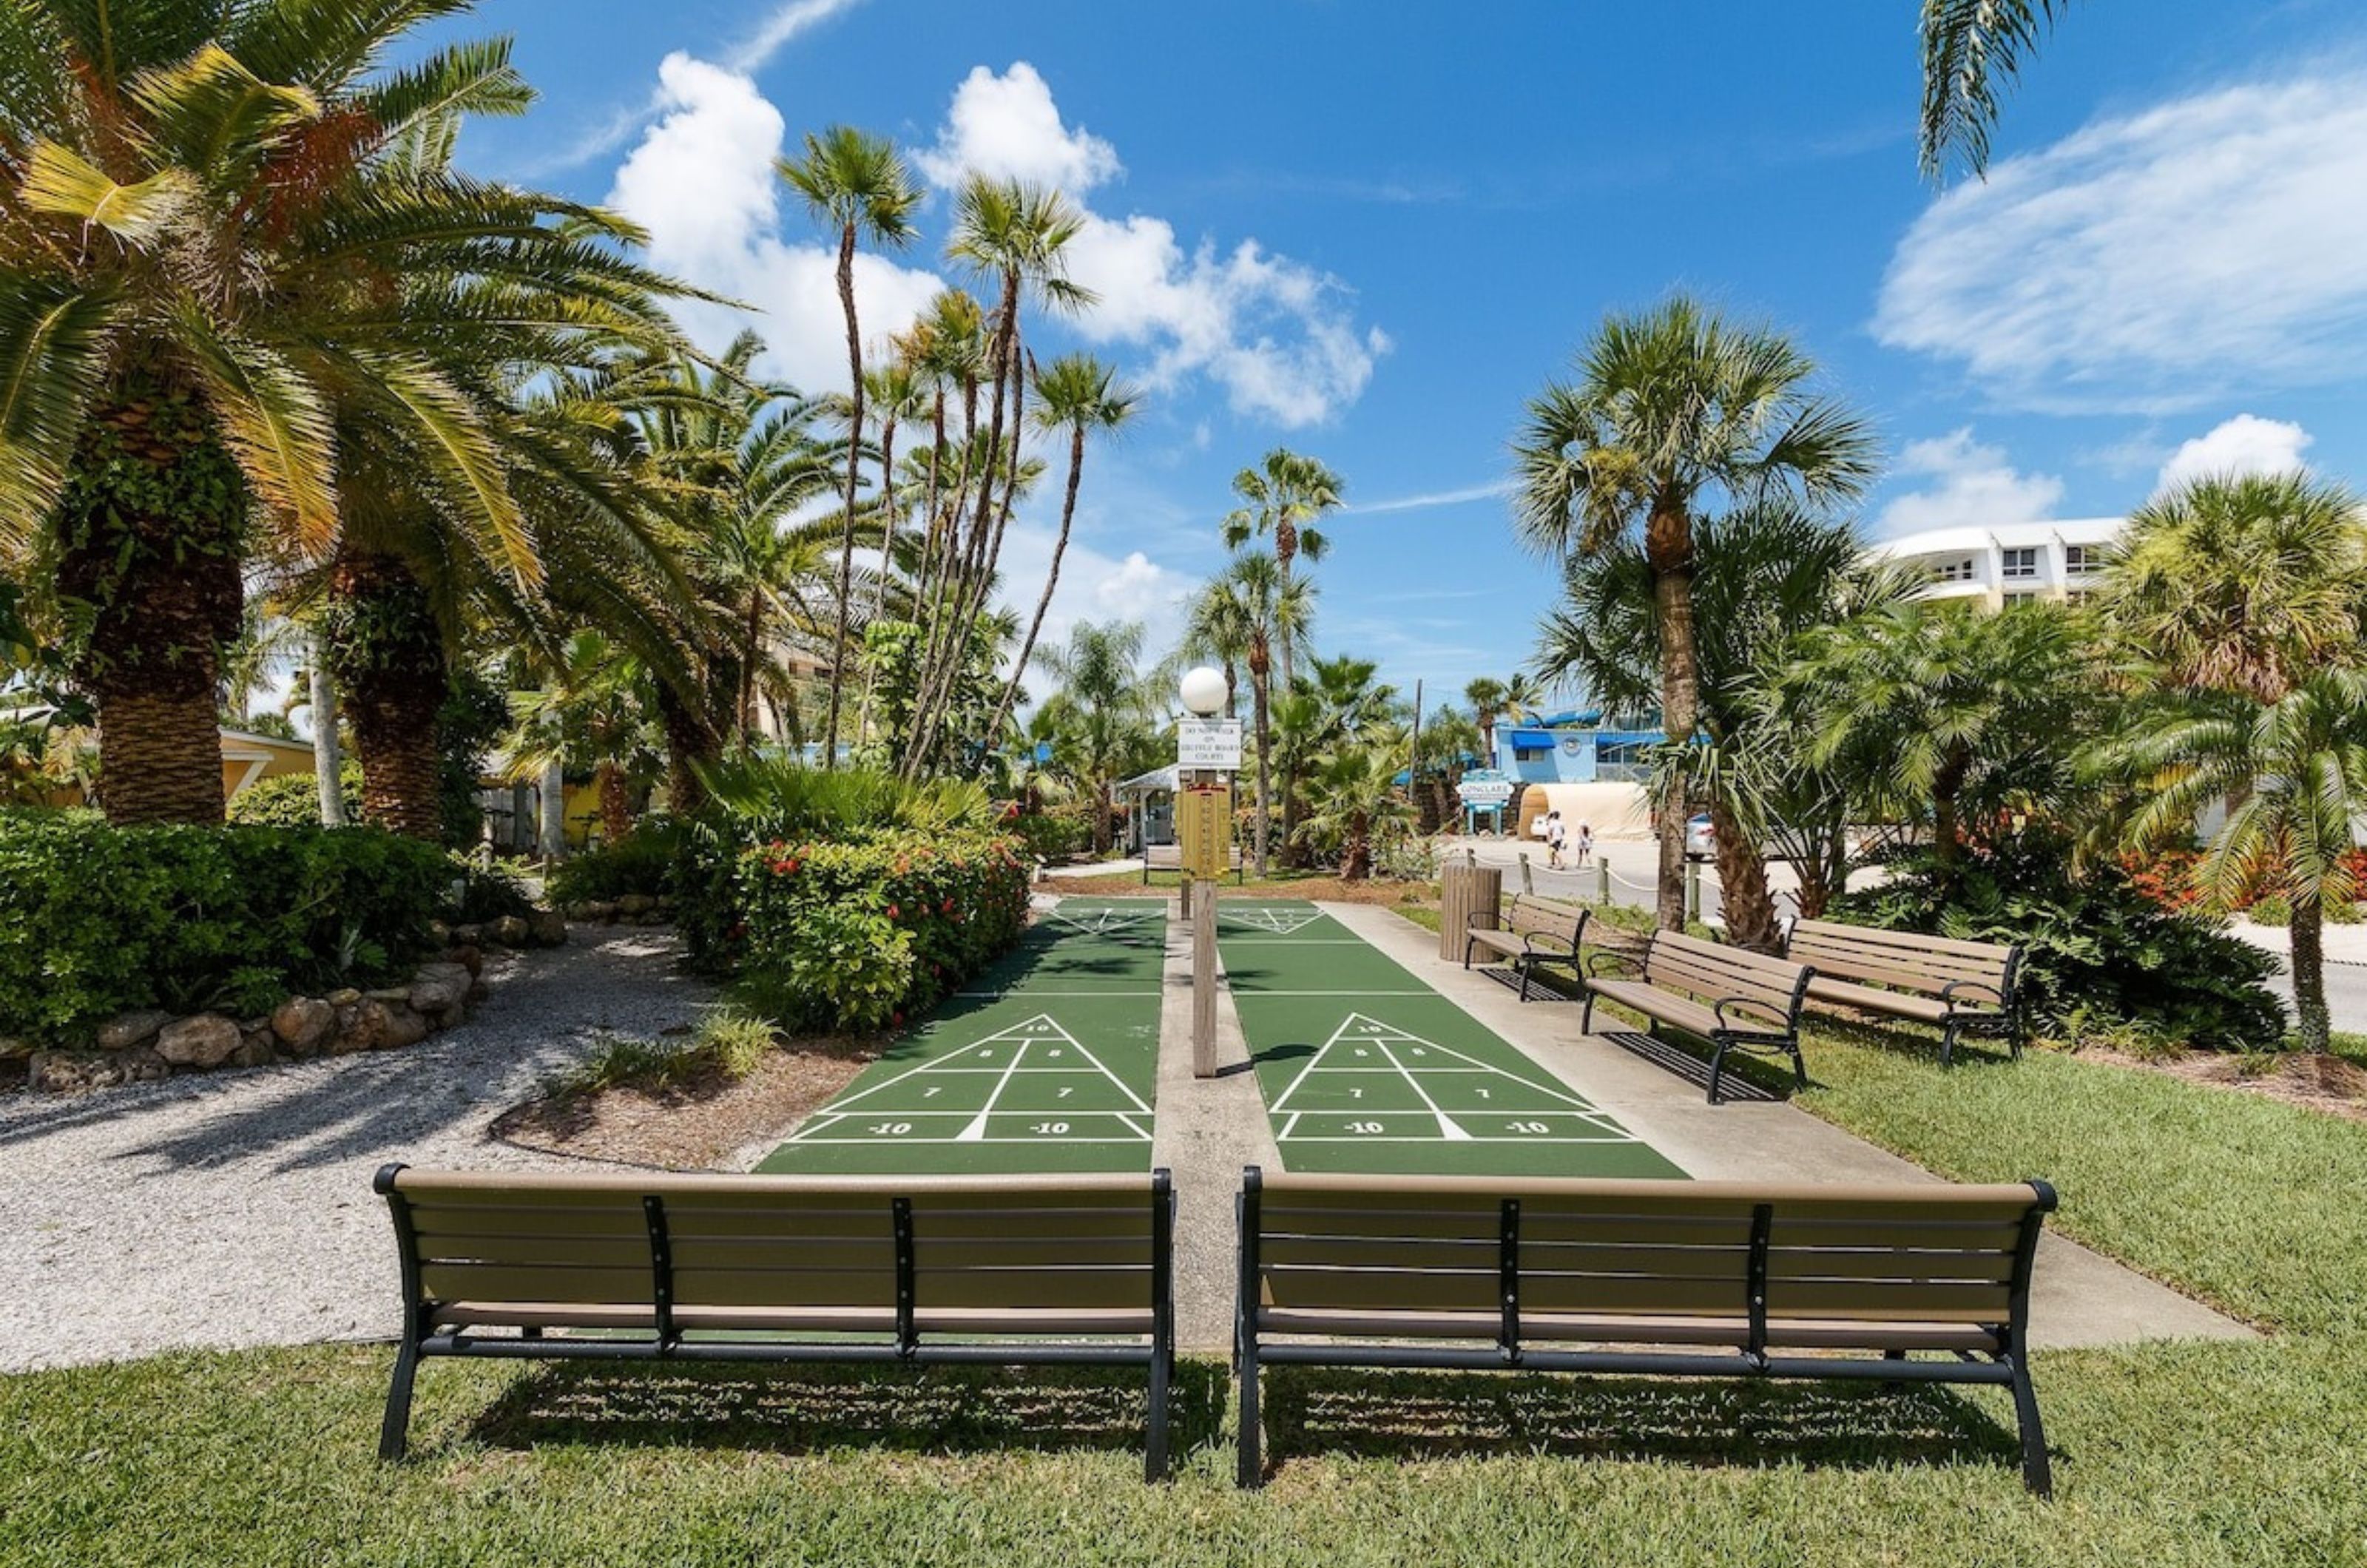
{"x":1530,"y":940}
{"x":1616,"y":958}
{"x":1948,"y":992}
{"x":1770,"y":1009}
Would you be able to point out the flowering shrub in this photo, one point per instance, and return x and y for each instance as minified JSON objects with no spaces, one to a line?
{"x":860,"y":933}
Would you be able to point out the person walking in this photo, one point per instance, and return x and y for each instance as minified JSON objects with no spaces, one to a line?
{"x":1557,"y":836}
{"x":1585,"y":843}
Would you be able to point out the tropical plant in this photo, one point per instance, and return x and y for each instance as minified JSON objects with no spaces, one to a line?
{"x":229,"y":242}
{"x":1101,"y":714}
{"x":1486,"y":696}
{"x":1971,"y":50}
{"x":1354,"y":805}
{"x":1676,"y":411}
{"x":1077,"y":395}
{"x":1250,"y":595}
{"x":595,"y":711}
{"x":1282,"y":498}
{"x":2293,"y":773}
{"x":858,"y":184}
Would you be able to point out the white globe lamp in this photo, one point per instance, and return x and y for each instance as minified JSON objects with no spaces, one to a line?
{"x":1203,"y":690}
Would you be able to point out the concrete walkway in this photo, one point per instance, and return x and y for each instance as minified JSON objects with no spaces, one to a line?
{"x":2079,"y":1298}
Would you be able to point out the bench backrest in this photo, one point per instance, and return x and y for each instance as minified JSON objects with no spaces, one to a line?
{"x":752,"y":1241}
{"x":1905,"y":961}
{"x":1693,"y":1249}
{"x":1713,"y":970}
{"x":1532,"y":916}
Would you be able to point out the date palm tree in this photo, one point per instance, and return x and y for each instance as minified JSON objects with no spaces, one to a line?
{"x":224,"y":228}
{"x":2295,"y":768}
{"x":859,"y":184}
{"x":1973,"y":48}
{"x":2241,"y":583}
{"x":1282,"y":498}
{"x":1676,"y":411}
{"x":1076,"y":395}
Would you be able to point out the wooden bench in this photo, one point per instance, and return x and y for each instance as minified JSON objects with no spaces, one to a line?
{"x":1529,"y":921}
{"x":1734,"y":999}
{"x":1966,"y":988}
{"x":1001,"y":1271}
{"x":1170,"y":857}
{"x":1686,"y":1279}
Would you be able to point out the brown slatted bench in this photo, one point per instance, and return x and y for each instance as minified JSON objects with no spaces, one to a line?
{"x":1734,"y":999}
{"x":1964,"y":987}
{"x":1684,"y":1278}
{"x":1002,"y":1272}
{"x":1530,"y":920}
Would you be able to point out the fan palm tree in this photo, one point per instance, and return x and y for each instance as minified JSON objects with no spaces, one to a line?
{"x":2240,"y":584}
{"x":1255,"y":598}
{"x":1079,"y":395}
{"x":1353,"y":802}
{"x":1282,"y":498}
{"x":1486,"y":696}
{"x":1216,"y":627}
{"x":224,"y":229}
{"x":2296,"y":769}
{"x":1972,"y":49}
{"x":1675,"y":411}
{"x":859,"y":184}
{"x":1103,"y":708}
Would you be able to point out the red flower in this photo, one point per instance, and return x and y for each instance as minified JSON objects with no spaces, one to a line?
{"x":948,"y":908}
{"x":895,"y":911}
{"x":896,"y":1019}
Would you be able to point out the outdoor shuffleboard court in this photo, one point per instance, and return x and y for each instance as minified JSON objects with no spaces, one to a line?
{"x":1366,"y":1068}
{"x":1047,"y":1062}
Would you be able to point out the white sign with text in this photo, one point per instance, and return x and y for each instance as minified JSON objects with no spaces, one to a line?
{"x":1209,"y":743}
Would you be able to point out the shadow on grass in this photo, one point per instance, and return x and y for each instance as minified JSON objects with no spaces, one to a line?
{"x":810,"y":1409}
{"x":1708,"y":1423}
{"x":1973,"y":1052}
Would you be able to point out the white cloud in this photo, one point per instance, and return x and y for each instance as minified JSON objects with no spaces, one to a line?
{"x":1007,"y":127}
{"x":2152,"y":260}
{"x":701,"y":182}
{"x":2243,"y":444}
{"x":1437,"y":498}
{"x":1095,"y":587}
{"x":784,"y":23}
{"x":1274,"y":333}
{"x":1972,"y":485}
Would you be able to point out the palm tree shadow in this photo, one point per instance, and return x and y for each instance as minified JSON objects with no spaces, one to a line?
{"x":810,"y":1409}
{"x":1711,"y":1423}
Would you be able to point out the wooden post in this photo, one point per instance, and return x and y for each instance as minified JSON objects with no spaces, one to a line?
{"x":1204,"y":983}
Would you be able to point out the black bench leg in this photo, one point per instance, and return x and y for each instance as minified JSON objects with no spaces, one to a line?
{"x":1524,"y":967}
{"x":1948,"y":1043}
{"x":2037,"y":1473}
{"x":1586,"y":1014}
{"x":1154,"y":1454}
{"x":1895,"y":1356}
{"x":1716,"y":1065}
{"x":394,"y":1432}
{"x":1799,"y":1065}
{"x":1252,"y":1470}
{"x":530,"y":1332}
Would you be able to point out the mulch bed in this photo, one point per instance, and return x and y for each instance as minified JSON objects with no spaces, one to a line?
{"x":707,"y":1123}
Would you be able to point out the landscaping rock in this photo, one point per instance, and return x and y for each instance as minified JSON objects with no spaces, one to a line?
{"x":302,"y":1023}
{"x":343,"y":997}
{"x":437,"y":987}
{"x":438,"y":932}
{"x":67,"y":1071}
{"x":599,"y":909}
{"x":400,"y":1026}
{"x":350,"y":1035}
{"x":651,"y":917}
{"x":204,"y":1040}
{"x":472,"y":959}
{"x":635,"y":904}
{"x":549,"y":927}
{"x":468,"y":936}
{"x":254,"y":1049}
{"x":12,"y":1049}
{"x":126,"y":1029}
{"x":511,"y":931}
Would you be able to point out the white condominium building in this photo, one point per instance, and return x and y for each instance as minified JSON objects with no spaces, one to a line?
{"x":2013,"y":560}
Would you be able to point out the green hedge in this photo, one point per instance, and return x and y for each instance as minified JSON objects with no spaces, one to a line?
{"x":1055,"y":836}
{"x":641,"y":862}
{"x":95,"y":920}
{"x":861,"y":934}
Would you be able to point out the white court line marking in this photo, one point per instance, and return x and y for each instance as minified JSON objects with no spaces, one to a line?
{"x":1364,"y":1029}
{"x":976,"y":1129}
{"x":1042,"y":1029}
{"x":1448,"y":1128}
{"x":1579,"y":1104}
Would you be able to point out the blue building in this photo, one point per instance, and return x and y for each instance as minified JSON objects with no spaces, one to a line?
{"x":1574,"y":748}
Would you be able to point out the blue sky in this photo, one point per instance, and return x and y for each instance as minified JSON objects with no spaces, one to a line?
{"x":1370,"y":231}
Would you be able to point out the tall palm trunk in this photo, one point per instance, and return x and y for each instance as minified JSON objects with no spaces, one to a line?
{"x":691,"y":744}
{"x":1051,"y":582}
{"x":1669,"y":552}
{"x":1947,"y":785}
{"x":1259,"y":668}
{"x":1286,"y":550}
{"x":854,"y":461}
{"x":752,"y":652}
{"x":886,"y":556}
{"x":1743,"y":895}
{"x":390,"y":660}
{"x":2310,"y":1018}
{"x":148,"y":538}
{"x":616,"y":811}
{"x":326,"y":765}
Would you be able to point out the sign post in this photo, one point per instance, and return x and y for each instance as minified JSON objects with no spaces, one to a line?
{"x":1484,"y":789}
{"x":1207,"y":749}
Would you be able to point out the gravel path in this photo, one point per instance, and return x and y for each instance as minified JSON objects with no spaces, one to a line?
{"x":234,"y":1209}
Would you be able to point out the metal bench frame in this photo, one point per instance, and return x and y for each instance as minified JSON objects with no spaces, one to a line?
{"x":1997,"y":1012}
{"x":1530,"y":956}
{"x":2006,"y":1366}
{"x":1783,"y":1040}
{"x":423,"y":1338}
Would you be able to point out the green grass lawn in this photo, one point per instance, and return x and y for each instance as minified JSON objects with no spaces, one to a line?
{"x":2165,"y":1454}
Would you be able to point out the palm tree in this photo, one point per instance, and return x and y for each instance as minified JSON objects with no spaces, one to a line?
{"x":219,"y":227}
{"x":1077,"y":394}
{"x":2241,"y":584}
{"x":1103,"y":708}
{"x":1486,"y":696}
{"x":1674,"y":410}
{"x":2297,"y":767}
{"x":1970,"y":48}
{"x":1257,"y":599}
{"x":1944,"y":711}
{"x":592,"y":711}
{"x":859,"y":184}
{"x":1352,"y":801}
{"x":1283,"y":496}
{"x":1217,"y":628}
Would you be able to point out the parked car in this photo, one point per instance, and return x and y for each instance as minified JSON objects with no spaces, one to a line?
{"x":1701,"y":838}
